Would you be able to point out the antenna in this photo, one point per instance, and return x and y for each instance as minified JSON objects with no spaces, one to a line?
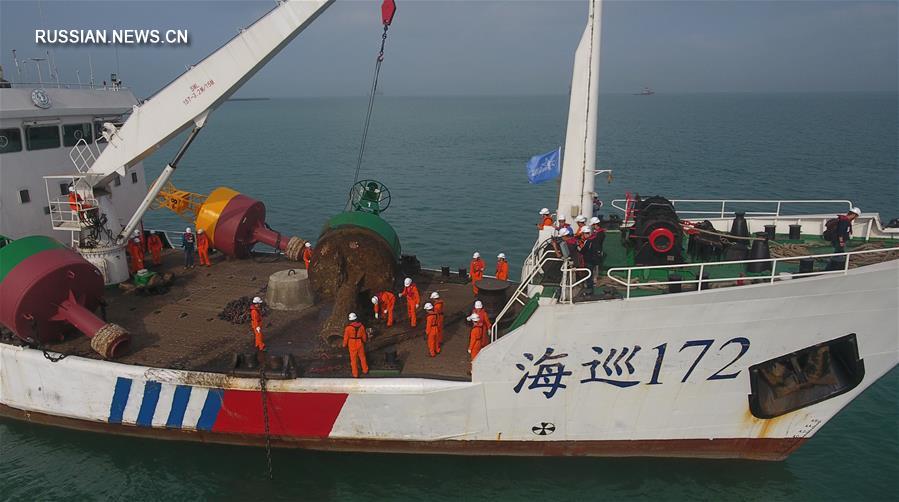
{"x":90,"y":62}
{"x":54,"y":71}
{"x":18,"y":69}
{"x":78,"y":77}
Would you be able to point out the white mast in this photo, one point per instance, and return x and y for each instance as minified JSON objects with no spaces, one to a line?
{"x":579,"y":156}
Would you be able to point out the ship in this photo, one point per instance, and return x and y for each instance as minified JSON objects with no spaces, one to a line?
{"x":645,"y":92}
{"x":712,"y":330}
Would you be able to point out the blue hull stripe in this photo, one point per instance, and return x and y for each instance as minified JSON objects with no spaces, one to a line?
{"x":119,"y":400}
{"x":210,"y":409}
{"x":179,"y":406}
{"x":148,"y":404}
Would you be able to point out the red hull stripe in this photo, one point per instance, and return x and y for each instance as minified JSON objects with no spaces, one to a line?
{"x":290,"y":414}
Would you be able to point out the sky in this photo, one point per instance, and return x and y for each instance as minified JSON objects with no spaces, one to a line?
{"x":493,"y":47}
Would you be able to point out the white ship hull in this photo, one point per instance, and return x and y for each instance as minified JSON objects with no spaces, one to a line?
{"x":683,"y":403}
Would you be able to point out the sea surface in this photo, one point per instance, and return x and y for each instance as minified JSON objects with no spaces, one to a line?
{"x":455,"y":169}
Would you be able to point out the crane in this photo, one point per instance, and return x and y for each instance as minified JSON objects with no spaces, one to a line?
{"x":184,"y":103}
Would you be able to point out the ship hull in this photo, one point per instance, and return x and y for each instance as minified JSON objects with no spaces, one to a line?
{"x":771,"y":449}
{"x":561,"y":385}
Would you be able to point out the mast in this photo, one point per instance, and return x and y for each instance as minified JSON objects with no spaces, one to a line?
{"x":579,"y":156}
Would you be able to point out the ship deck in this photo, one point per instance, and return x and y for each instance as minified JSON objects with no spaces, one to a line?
{"x":181,"y":328}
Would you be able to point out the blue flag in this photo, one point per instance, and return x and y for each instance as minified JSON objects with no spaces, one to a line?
{"x":545,"y":167}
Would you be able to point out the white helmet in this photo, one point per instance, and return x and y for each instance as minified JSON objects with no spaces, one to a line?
{"x":581,"y":219}
{"x":586,"y":229}
{"x":856,"y":210}
{"x":428,"y":306}
{"x":474,"y":318}
{"x":187,"y":229}
{"x":308,"y":244}
{"x":594,"y":220}
{"x":71,"y":189}
{"x":352,"y":316}
{"x":435,"y":295}
{"x":478,"y":304}
{"x":257,"y":300}
{"x":544,"y":211}
{"x":560,"y":217}
{"x":136,"y":239}
{"x":407,"y":282}
{"x":374,"y":300}
{"x":476,"y":255}
{"x":563,"y":232}
{"x":501,"y":256}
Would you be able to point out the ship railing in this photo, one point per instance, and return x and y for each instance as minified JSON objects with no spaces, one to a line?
{"x":570,"y":281}
{"x":630,"y":277}
{"x":66,"y":85}
{"x":572,"y":277}
{"x":83,"y":156}
{"x":520,"y":295}
{"x":723,"y":208}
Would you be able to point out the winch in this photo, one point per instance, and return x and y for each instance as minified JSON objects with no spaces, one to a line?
{"x":656,"y":235}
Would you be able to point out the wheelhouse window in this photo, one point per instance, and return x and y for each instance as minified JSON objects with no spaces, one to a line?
{"x":71,"y":133}
{"x":133,"y":177}
{"x":117,"y":181}
{"x":42,"y":137}
{"x":10,"y":140}
{"x":24,"y":196}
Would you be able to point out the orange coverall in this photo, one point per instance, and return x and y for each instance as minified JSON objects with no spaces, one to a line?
{"x":354,"y":338}
{"x":203,"y":248}
{"x":502,"y":270}
{"x":256,"y":319}
{"x":412,"y":301}
{"x":485,"y":319}
{"x":386,"y":302}
{"x":546,"y":222}
{"x":137,"y":256}
{"x":307,"y":257}
{"x":476,"y":270}
{"x":154,"y":244}
{"x":438,"y":309}
{"x":432,"y":329}
{"x":476,"y":338}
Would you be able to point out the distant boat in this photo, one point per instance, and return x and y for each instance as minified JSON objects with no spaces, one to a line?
{"x":645,"y":92}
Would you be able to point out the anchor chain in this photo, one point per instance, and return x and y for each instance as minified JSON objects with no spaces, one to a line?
{"x":263,"y":385}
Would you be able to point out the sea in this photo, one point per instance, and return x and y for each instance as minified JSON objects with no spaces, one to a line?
{"x":455,"y":168}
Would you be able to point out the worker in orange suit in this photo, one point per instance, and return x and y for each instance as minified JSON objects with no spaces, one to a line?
{"x":502,"y":267}
{"x":413,"y":299}
{"x":437,"y":302}
{"x":482,"y":314}
{"x":307,"y":254}
{"x":203,"y":247}
{"x":476,"y":270}
{"x":354,"y":338}
{"x":137,"y":255}
{"x":545,"y":219}
{"x":477,"y":335}
{"x":432,"y":329}
{"x":383,"y":305}
{"x":77,"y":204}
{"x":256,"y":320}
{"x":154,"y":245}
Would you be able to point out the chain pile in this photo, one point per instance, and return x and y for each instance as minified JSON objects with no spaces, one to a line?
{"x":238,"y":311}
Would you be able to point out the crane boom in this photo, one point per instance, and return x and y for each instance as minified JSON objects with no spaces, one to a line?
{"x":188,"y":99}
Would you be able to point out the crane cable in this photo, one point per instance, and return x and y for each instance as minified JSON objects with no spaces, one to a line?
{"x":388,"y":9}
